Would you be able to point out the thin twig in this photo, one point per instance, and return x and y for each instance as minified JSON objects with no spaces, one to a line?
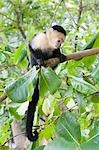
{"x":5,"y":15}
{"x":80,"y":8}
{"x":18,"y":15}
{"x":3,"y":97}
{"x":70,"y":14}
{"x":12,"y":138}
{"x":57,"y":7}
{"x":19,"y":24}
{"x":71,"y":107}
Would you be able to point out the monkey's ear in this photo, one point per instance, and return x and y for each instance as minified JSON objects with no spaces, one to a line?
{"x":50,"y":30}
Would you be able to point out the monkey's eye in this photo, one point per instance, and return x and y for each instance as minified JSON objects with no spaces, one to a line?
{"x":58,"y":41}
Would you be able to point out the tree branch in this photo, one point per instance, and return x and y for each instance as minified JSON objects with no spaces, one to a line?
{"x":81,"y":54}
{"x":72,"y":18}
{"x":19,"y":24}
{"x":18,"y":17}
{"x":80,"y":8}
{"x":79,"y":13}
{"x":76,"y":55}
{"x":3,"y":97}
{"x":6,"y":16}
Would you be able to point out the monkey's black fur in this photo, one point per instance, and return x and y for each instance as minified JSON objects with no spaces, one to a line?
{"x":59,"y":29}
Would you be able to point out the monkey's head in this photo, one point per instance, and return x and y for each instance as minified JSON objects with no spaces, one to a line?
{"x":56,"y":36}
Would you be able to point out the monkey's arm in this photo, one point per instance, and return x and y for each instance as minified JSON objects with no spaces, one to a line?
{"x":56,"y":59}
{"x":57,"y":54}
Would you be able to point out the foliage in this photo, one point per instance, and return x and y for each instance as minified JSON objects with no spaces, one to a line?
{"x":23,"y":88}
{"x":70,"y":135}
{"x":69,"y":97}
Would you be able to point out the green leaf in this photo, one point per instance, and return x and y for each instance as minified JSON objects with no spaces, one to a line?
{"x":95,"y":128}
{"x":91,"y":144}
{"x":49,"y":81}
{"x":95,"y":97}
{"x":88,"y":61}
{"x":47,"y":133}
{"x":48,"y":105}
{"x":2,"y":57}
{"x":38,"y":148}
{"x":61,"y":144}
{"x":13,"y":111}
{"x":23,"y":64}
{"x":69,"y":128}
{"x":4,"y":128}
{"x":4,"y":148}
{"x":18,"y":91}
{"x":72,"y":65}
{"x":96,"y":43}
{"x":5,"y":137}
{"x":22,"y":108}
{"x":7,"y":48}
{"x":80,"y":99}
{"x":82,"y":86}
{"x":91,"y":43}
{"x":20,"y":54}
{"x":96,"y":106}
{"x":95,"y":74}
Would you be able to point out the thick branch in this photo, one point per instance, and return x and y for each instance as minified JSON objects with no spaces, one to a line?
{"x":76,"y":55}
{"x":82,"y":54}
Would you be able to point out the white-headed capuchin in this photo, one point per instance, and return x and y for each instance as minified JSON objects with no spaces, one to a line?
{"x":43,"y":46}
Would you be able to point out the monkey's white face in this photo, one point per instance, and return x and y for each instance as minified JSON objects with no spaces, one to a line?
{"x":55,"y":38}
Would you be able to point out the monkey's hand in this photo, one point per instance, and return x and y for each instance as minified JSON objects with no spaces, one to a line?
{"x":52,"y":62}
{"x":62,"y":58}
{"x":40,"y":62}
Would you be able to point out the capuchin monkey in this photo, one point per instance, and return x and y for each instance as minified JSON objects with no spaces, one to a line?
{"x":43,"y":46}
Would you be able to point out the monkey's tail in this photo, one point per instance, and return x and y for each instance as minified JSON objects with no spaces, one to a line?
{"x":30,"y":115}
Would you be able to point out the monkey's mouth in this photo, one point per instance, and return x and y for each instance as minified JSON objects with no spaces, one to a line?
{"x":57,"y":45}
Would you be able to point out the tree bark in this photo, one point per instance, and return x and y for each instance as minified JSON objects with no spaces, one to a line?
{"x":21,"y":142}
{"x":82,"y":54}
